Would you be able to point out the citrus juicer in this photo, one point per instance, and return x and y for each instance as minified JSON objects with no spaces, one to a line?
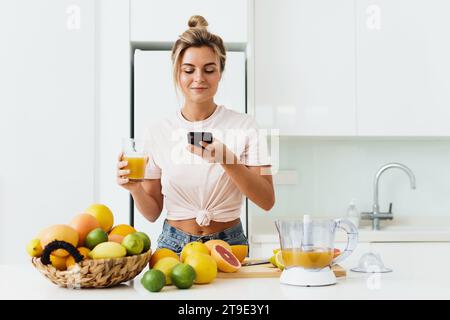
{"x":307,"y":248}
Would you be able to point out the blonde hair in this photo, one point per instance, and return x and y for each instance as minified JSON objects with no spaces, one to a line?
{"x":196,"y":36}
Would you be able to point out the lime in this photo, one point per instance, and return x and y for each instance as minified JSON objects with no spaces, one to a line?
{"x":183,"y":276}
{"x":153,"y":280}
{"x":95,"y":237}
{"x":133,"y":243}
{"x":146,"y":239}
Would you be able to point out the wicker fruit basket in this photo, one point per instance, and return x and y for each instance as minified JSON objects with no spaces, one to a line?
{"x":96,"y":273}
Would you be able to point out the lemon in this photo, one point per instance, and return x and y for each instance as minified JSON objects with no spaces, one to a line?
{"x":166,"y":265}
{"x":275,"y":251}
{"x":193,"y":247}
{"x":279,"y":260}
{"x":204,"y":265}
{"x":103,"y":215}
{"x":34,"y":248}
{"x":106,"y":250}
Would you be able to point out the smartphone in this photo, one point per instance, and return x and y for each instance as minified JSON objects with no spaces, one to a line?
{"x":195,"y":138}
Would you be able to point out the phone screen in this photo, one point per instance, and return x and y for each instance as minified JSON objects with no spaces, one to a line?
{"x":195,"y":138}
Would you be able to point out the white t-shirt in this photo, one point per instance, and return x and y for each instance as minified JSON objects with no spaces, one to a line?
{"x":192,"y":187}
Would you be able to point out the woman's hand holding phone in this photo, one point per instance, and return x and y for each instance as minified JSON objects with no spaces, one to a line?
{"x":215,"y":152}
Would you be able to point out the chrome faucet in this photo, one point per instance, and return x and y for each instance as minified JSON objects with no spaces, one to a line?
{"x":376,"y":215}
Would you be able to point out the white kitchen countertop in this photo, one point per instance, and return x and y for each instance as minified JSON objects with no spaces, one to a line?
{"x":419,"y":273}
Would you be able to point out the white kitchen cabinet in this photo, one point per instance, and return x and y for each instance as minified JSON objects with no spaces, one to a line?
{"x":46,"y":119}
{"x":155,"y":99}
{"x":164,"y":21}
{"x":304,"y":66}
{"x":403,"y":83}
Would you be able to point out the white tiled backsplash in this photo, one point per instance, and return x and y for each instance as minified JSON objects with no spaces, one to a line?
{"x":321,"y":176}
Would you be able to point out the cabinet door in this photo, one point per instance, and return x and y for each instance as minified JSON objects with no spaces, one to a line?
{"x":164,"y":21}
{"x":304,"y":66}
{"x":403,"y":83}
{"x":46,"y":119}
{"x":155,"y":99}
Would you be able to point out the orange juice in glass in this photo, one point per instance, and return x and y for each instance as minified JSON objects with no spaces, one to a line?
{"x":134,"y":153}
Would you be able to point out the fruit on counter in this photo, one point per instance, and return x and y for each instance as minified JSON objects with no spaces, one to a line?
{"x":204,"y":265}
{"x":161,"y":253}
{"x":183,"y":276}
{"x":70,"y":261}
{"x":34,"y":248}
{"x":210,"y":244}
{"x":277,"y":260}
{"x":59,"y":232}
{"x":115,"y":238}
{"x":83,"y":224}
{"x":166,"y":265}
{"x":58,"y":262}
{"x":95,"y":237}
{"x":146,"y":239}
{"x":193,"y":247}
{"x":225,"y":259}
{"x":123,"y":230}
{"x":153,"y":280}
{"x":103,"y":215}
{"x":107,"y":250}
{"x":133,"y":243}
{"x":240,"y":251}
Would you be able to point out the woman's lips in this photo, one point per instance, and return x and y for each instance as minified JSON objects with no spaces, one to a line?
{"x":198,"y":89}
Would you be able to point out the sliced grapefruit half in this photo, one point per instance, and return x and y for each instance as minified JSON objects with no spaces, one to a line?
{"x":226,"y":260}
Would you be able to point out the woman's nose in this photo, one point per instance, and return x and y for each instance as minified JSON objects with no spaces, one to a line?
{"x":199,"y":76}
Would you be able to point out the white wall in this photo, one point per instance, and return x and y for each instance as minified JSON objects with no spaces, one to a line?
{"x":330,"y":172}
{"x":47,"y":115}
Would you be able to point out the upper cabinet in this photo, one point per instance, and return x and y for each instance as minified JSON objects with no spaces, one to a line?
{"x":403,"y":67}
{"x":164,"y":21}
{"x":304,"y":66}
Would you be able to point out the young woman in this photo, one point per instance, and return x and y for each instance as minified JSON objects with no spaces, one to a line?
{"x":201,"y":187}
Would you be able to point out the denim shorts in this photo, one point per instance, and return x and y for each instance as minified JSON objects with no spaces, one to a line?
{"x":175,"y":239}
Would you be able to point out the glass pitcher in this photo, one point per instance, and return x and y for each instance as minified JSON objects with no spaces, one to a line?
{"x":309,"y":244}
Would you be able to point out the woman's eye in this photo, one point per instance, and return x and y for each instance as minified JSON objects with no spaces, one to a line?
{"x":188,"y":70}
{"x":209,"y":71}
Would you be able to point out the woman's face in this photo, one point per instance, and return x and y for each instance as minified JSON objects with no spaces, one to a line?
{"x":199,"y":74}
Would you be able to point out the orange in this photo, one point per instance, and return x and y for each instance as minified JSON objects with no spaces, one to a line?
{"x":83,"y":251}
{"x":161,"y":253}
{"x":58,"y":262}
{"x":193,"y":247}
{"x":225,"y":259}
{"x":210,"y":244}
{"x":204,"y":265}
{"x":240,"y":251}
{"x":122,"y":230}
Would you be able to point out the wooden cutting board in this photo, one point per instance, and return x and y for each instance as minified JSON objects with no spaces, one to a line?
{"x":268,"y":271}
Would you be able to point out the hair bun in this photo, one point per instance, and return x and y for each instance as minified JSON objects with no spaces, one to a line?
{"x":197,"y":22}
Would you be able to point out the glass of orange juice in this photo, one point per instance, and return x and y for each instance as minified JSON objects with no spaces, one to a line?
{"x":134,"y":153}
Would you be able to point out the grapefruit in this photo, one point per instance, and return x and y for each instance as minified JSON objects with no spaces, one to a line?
{"x":193,"y":247}
{"x":204,"y":265}
{"x":115,"y":238}
{"x":103,"y":215}
{"x":210,"y":244}
{"x":225,"y":259}
{"x":59,"y":232}
{"x":83,"y":224}
{"x":240,"y":251}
